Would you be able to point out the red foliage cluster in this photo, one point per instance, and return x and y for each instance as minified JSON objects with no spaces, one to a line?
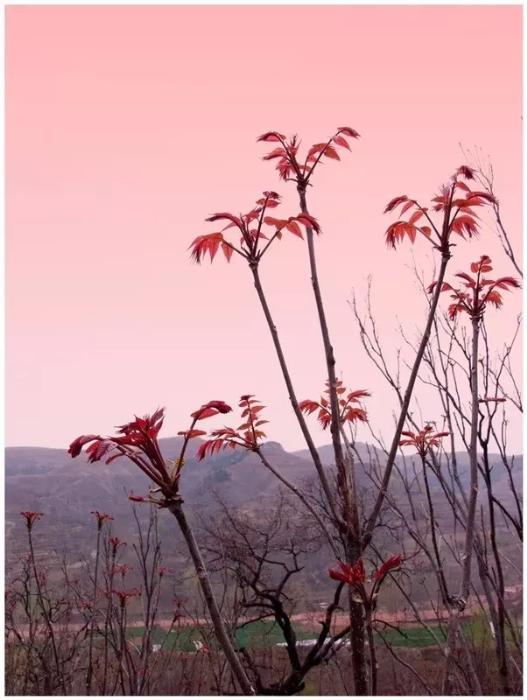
{"x":351,"y":574}
{"x":455,"y":201}
{"x":250,"y":225}
{"x":247,"y":434}
{"x":101,"y":518}
{"x":31,"y":517}
{"x":124,"y":596}
{"x":115,"y":543}
{"x":288,"y":164}
{"x":392,"y":563}
{"x":138,"y":441}
{"x":423,"y":441}
{"x":477,"y":291}
{"x":354,"y":575}
{"x":138,"y":435}
{"x":351,"y":409}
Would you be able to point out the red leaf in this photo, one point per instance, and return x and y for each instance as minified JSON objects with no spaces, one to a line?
{"x":466,"y":172}
{"x":206,"y":244}
{"x":211,"y":409}
{"x":270,"y":136}
{"x":308,"y":406}
{"x":330,"y":152}
{"x":349,"y":573}
{"x":353,"y":414}
{"x":415,"y":216}
{"x":308,"y":221}
{"x":358,"y":394}
{"x":224,"y":215}
{"x":294,"y":228}
{"x":494,"y":298}
{"x":464,"y":224}
{"x":469,"y":282}
{"x":278,"y":223}
{"x":390,"y":564}
{"x":227,"y":250}
{"x":189,"y":434}
{"x":205,"y":413}
{"x":348,"y":131}
{"x":483,"y":195}
{"x":341,"y":141}
{"x":482,"y":265}
{"x":76,"y":446}
{"x":277,"y":153}
{"x":395,"y":203}
{"x":398,"y":230}
{"x":454,"y":310}
{"x":506,"y":282}
{"x":98,"y":449}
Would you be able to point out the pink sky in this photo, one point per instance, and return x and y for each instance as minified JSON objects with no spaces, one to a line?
{"x":127,"y":126}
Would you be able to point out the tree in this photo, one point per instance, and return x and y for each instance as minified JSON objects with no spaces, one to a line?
{"x":349,"y":532}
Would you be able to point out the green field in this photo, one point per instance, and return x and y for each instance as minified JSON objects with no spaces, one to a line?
{"x":254,"y":635}
{"x":414,"y":637}
{"x":265,"y":633}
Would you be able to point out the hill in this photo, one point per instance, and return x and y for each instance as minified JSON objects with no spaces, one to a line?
{"x":66,"y":490}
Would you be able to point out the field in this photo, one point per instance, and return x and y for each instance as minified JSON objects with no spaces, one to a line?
{"x":264,"y":634}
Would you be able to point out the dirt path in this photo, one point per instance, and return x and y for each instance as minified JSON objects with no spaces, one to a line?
{"x":310,"y":620}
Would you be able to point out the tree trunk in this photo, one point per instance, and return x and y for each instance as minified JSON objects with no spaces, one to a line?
{"x":89,"y":673}
{"x":352,"y":533}
{"x":473,"y":493}
{"x":219,"y":627}
{"x":453,"y":643}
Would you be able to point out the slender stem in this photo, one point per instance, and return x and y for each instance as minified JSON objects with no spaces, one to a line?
{"x":372,"y":520}
{"x":330,"y":364}
{"x":439,"y":564}
{"x":89,"y":672}
{"x":108,"y":615}
{"x":45,"y":614}
{"x":501,"y":645}
{"x":350,"y":511}
{"x":122,"y":643}
{"x":180,"y":459}
{"x":454,"y":626}
{"x":222,"y":635}
{"x":473,"y":493}
{"x":373,"y":656}
{"x":351,"y":477}
{"x":292,"y":395}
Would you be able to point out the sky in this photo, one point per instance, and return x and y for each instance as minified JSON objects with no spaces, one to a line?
{"x":127,"y":126}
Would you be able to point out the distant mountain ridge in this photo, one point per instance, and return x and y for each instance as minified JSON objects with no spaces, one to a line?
{"x":66,"y":489}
